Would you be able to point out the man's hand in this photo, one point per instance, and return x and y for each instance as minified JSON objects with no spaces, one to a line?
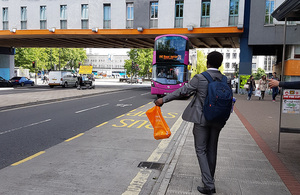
{"x":159,"y":102}
{"x":273,"y":83}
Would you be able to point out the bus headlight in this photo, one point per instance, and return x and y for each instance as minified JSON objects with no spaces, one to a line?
{"x":152,"y":84}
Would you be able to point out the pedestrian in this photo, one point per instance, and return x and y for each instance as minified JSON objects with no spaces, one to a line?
{"x":252,"y":86}
{"x":275,"y":90}
{"x":262,"y":86}
{"x":206,"y":133}
{"x":286,"y":85}
{"x":44,"y":79}
{"x":80,"y":82}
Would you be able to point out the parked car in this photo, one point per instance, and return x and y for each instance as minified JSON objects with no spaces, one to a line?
{"x":21,"y":81}
{"x":135,"y":80}
{"x":62,"y":78}
{"x":5,"y":83}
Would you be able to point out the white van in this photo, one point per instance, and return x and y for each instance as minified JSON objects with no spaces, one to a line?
{"x":62,"y":78}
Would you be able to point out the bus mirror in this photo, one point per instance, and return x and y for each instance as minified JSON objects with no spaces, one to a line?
{"x":189,"y":67}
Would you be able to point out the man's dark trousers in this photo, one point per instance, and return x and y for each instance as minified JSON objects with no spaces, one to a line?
{"x":206,"y":145}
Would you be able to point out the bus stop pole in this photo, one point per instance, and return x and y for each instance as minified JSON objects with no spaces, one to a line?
{"x":282,"y":74}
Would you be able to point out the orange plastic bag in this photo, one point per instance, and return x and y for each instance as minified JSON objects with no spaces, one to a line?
{"x":161,"y":128}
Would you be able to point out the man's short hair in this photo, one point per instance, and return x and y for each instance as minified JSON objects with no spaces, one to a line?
{"x":214,"y":59}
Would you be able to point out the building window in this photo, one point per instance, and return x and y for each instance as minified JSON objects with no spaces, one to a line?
{"x":63,"y":17}
{"x":130,"y":15}
{"x":43,"y":18}
{"x":254,"y":66}
{"x":205,"y":15}
{"x":154,"y":15}
{"x":234,"y":55}
{"x":106,"y":16}
{"x":233,"y":12}
{"x":23,"y":18}
{"x":227,"y":55}
{"x":265,"y":63}
{"x":84,"y":16}
{"x":269,"y":11}
{"x":297,"y":51}
{"x":234,"y":66}
{"x":179,"y":14}
{"x":5,"y":18}
{"x":227,"y":65}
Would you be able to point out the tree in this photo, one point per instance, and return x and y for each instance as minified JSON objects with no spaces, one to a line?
{"x":201,"y":64}
{"x":259,"y":73}
{"x":46,"y":58}
{"x":142,"y":60}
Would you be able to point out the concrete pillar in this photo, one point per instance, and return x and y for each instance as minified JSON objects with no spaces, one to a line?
{"x":246,"y":51}
{"x":7,"y":62}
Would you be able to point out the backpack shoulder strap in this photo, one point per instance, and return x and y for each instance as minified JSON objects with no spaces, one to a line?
{"x":207,"y":76}
{"x":224,"y":79}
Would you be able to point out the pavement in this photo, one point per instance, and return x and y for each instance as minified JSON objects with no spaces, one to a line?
{"x":247,"y":159}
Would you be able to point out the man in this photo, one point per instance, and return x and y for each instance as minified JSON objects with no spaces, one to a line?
{"x":275,"y":90}
{"x":162,"y":73}
{"x":206,"y":133}
{"x":286,"y":85}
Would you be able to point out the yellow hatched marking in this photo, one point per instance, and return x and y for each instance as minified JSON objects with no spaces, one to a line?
{"x":28,"y":158}
{"x":142,"y":106}
{"x":102,"y":124}
{"x":132,"y":110}
{"x":74,"y":137}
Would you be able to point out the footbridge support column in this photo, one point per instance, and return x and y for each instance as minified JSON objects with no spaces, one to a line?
{"x":7,"y":63}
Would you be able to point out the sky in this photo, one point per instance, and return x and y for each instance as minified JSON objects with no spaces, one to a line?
{"x":107,"y":51}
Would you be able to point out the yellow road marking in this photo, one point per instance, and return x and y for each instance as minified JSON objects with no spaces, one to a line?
{"x":80,"y":134}
{"x":28,"y":158}
{"x":102,"y":124}
{"x":121,"y":116}
{"x":132,"y":110}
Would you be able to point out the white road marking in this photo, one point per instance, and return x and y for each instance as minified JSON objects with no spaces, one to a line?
{"x":123,"y":105}
{"x":141,"y":178}
{"x":146,"y":93}
{"x":15,"y":129}
{"x":126,"y":98}
{"x":91,"y":108}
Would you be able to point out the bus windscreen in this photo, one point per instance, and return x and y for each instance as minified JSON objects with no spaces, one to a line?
{"x":169,"y":74}
{"x":170,"y":49}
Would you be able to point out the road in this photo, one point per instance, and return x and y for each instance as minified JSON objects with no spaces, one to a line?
{"x":29,"y":130}
{"x":90,"y":145}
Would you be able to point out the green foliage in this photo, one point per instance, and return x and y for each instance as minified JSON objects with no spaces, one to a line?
{"x":221,"y":68}
{"x":142,"y":57}
{"x":259,"y":74}
{"x":201,"y":64}
{"x":46,"y":58}
{"x":243,"y":80}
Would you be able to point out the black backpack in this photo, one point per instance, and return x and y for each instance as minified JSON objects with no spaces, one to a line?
{"x":218,"y":102}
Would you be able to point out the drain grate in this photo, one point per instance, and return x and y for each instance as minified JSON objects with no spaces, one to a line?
{"x":151,"y":165}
